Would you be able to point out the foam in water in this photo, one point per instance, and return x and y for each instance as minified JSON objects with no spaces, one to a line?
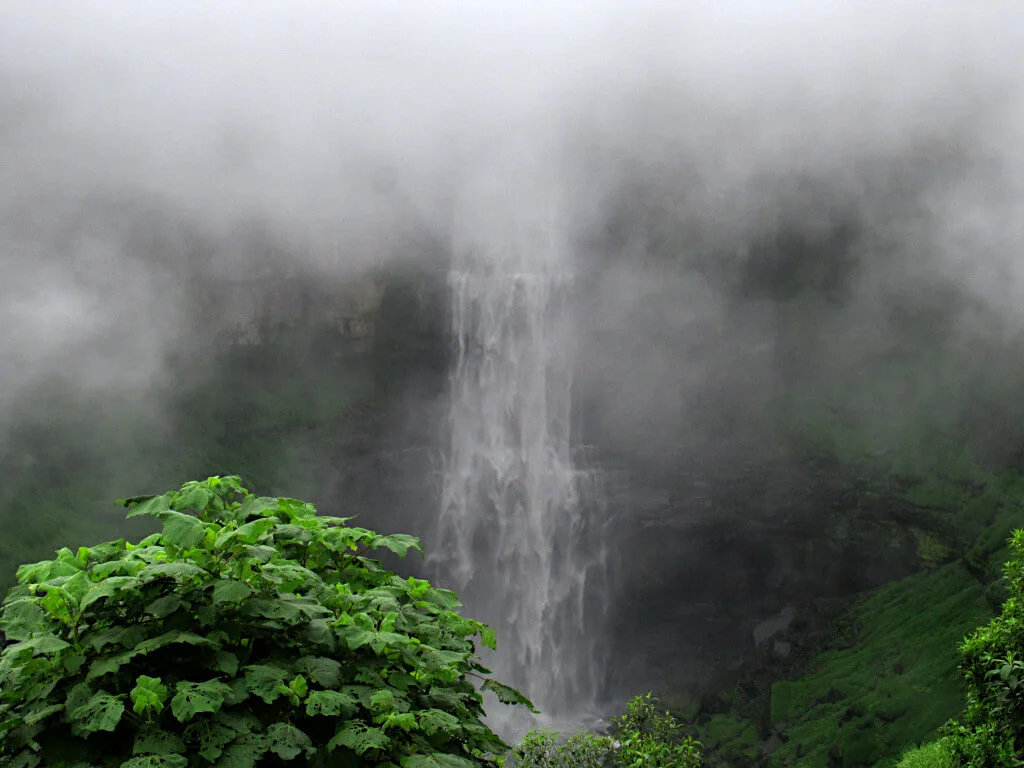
{"x":519,"y":536}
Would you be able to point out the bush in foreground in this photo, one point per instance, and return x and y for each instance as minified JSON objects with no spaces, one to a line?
{"x":248,"y":632}
{"x":991,"y":732}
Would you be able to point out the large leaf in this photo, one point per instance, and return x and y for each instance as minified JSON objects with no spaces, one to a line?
{"x":146,"y":505}
{"x":148,"y":694}
{"x":193,"y":496}
{"x":110,"y":586}
{"x":192,"y":698}
{"x":265,"y":681}
{"x":154,"y":741}
{"x":45,"y":643}
{"x":434,"y":720}
{"x":22,"y":618}
{"x":211,"y":735}
{"x":243,"y":752}
{"x":359,"y":737}
{"x":286,"y":741}
{"x":102,"y":712}
{"x":321,"y":670}
{"x":508,"y":695}
{"x":156,"y":761}
{"x":179,"y":571}
{"x":230,"y":591}
{"x":331,"y":704}
{"x":181,"y":530}
{"x":399,"y":543}
{"x":437,"y":760}
{"x":164,"y":606}
{"x":249,"y":533}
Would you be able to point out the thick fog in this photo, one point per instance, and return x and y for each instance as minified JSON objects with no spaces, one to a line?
{"x":145,"y":145}
{"x":784,"y":222}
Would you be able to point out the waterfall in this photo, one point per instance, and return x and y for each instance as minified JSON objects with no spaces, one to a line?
{"x":519,"y":523}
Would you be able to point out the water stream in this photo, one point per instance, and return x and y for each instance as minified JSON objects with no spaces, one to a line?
{"x":520,"y":523}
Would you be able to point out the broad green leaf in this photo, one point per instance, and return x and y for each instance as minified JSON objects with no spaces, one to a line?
{"x":113,"y":663}
{"x":55,"y":602}
{"x":405,"y":721}
{"x":294,"y":509}
{"x":210,"y":735}
{"x":322,"y":671}
{"x":38,"y":715}
{"x":163,"y":607}
{"x":287,"y":741}
{"x":110,"y":586}
{"x":331,"y":704}
{"x":433,"y":720}
{"x":230,"y":591}
{"x":382,"y":701}
{"x":192,"y":698}
{"x":257,"y":505}
{"x":46,"y":643}
{"x":192,"y":497}
{"x":146,"y":505}
{"x":181,"y":530}
{"x":156,"y":761}
{"x":417,"y":587}
{"x":180,"y":572}
{"x":359,"y":737}
{"x":148,"y":694}
{"x":489,"y":638}
{"x":436,"y":760}
{"x":249,"y":533}
{"x":508,"y":695}
{"x":399,"y":543}
{"x":243,"y":753}
{"x":123,"y":567}
{"x":26,"y":759}
{"x":265,"y":681}
{"x":154,"y":741}
{"x":227,"y":663}
{"x":75,"y":588}
{"x":273,"y":608}
{"x":72,"y":662}
{"x":443,"y":597}
{"x":102,"y":712}
{"x":22,"y":618}
{"x":299,"y":686}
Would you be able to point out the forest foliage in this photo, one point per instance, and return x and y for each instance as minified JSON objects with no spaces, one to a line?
{"x":990,"y":734}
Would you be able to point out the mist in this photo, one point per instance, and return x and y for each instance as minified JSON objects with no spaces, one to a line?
{"x":768,"y":210}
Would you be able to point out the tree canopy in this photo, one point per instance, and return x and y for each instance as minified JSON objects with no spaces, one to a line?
{"x":249,"y":631}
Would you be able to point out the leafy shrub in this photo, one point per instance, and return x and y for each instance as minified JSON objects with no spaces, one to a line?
{"x":991,"y":732}
{"x":651,"y":738}
{"x":248,"y":632}
{"x":540,"y":749}
{"x":644,"y":737}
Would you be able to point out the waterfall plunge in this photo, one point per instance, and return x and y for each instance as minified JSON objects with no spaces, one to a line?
{"x":519,"y":532}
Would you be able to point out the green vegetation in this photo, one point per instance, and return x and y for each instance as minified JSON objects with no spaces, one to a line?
{"x":891,"y":678}
{"x":991,"y":732}
{"x":249,"y":631}
{"x":644,"y":736}
{"x":933,"y":755}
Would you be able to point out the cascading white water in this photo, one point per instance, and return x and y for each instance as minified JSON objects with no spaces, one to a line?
{"x":518,"y":529}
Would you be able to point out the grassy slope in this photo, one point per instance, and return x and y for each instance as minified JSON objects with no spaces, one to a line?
{"x":894,"y":683}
